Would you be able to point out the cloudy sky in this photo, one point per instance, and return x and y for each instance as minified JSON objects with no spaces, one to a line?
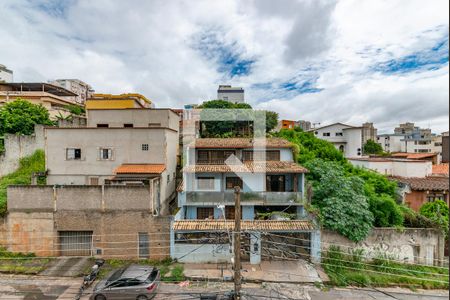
{"x":325,"y":61}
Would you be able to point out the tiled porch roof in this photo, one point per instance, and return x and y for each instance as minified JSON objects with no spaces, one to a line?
{"x":249,"y":167}
{"x":260,"y":225}
{"x":140,"y":169}
{"x":431,"y":183}
{"x":239,"y":143}
{"x":441,"y":169}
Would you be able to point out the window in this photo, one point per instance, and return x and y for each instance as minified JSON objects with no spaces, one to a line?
{"x":339,"y":134}
{"x":341,"y":148}
{"x":231,"y":182}
{"x":326,"y":134}
{"x":73,"y":153}
{"x":213,"y":156}
{"x":438,"y":144}
{"x":93,"y":180}
{"x":205,"y":213}
{"x":128,"y":125}
{"x":168,"y":178}
{"x":144,"y":147}
{"x":271,"y":155}
{"x":105,"y":154}
{"x":205,"y":183}
{"x":433,"y":197}
{"x":230,"y":213}
{"x":275,"y":183}
{"x":154,"y":124}
{"x":102,"y":125}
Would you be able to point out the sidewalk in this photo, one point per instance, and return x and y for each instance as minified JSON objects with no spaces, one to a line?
{"x":274,"y":271}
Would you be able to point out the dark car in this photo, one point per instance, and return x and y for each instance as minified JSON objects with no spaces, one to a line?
{"x":133,"y":282}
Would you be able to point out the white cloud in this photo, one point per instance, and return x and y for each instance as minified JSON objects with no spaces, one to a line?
{"x":149,"y":47}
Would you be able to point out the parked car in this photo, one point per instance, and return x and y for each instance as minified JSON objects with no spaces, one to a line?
{"x":137,"y":282}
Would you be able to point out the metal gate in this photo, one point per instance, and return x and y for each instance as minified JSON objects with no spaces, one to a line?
{"x":75,"y":243}
{"x":144,"y":251}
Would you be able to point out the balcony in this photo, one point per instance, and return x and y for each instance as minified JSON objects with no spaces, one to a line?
{"x":249,"y":198}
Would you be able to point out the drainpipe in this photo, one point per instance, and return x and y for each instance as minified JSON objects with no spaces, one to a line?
{"x":54,"y":198}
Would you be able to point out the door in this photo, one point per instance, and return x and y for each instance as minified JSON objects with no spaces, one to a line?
{"x":144,"y":249}
{"x":275,"y":183}
{"x":75,"y":243}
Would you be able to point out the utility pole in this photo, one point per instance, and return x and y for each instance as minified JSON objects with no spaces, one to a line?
{"x":237,"y":243}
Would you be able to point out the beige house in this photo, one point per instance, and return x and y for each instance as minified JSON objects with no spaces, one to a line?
{"x":117,"y":148}
{"x":52,"y":97}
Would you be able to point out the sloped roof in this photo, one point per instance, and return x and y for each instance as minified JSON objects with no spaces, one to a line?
{"x":441,"y":169}
{"x":249,"y":167}
{"x":261,"y":225}
{"x":235,"y":143}
{"x":140,"y":169}
{"x":414,"y":155}
{"x":329,"y":125}
{"x":431,"y":183}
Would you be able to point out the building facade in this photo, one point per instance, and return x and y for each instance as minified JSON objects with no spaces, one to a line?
{"x":122,"y":101}
{"x":445,"y":147}
{"x":304,"y":125}
{"x":369,"y":132}
{"x":231,"y":94}
{"x":83,"y":90}
{"x":6,"y":75}
{"x":394,"y":167}
{"x":54,"y":98}
{"x":127,"y":151}
{"x":347,"y":139}
{"x":390,"y":143}
{"x":272,"y":198}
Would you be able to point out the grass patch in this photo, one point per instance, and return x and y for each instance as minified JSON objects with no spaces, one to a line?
{"x":350,"y":269}
{"x":21,"y":263}
{"x":169,"y":270}
{"x":27,"y":166}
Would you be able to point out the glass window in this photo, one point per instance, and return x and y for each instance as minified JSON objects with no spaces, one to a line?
{"x":102,"y":125}
{"x":231,"y":182}
{"x":73,"y":153}
{"x":326,"y":134}
{"x":205,"y":213}
{"x":105,"y":154}
{"x":144,"y":147}
{"x":128,"y":125}
{"x":205,"y":183}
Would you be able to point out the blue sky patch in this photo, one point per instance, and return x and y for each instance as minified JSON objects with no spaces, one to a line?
{"x":425,"y":60}
{"x":229,"y":57}
{"x":54,"y":8}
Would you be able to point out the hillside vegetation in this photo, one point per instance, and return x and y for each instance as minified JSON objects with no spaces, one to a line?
{"x":27,"y":166}
{"x":347,"y":199}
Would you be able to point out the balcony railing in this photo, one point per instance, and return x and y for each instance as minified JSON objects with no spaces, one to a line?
{"x":260,"y":198}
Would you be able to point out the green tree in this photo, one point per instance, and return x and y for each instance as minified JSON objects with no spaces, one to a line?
{"x":75,"y":109}
{"x":20,"y":116}
{"x":227,"y":127}
{"x":371,"y":147}
{"x":437,"y":211}
{"x":342,"y":201}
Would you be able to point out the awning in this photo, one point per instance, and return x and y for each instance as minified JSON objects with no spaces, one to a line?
{"x":246,"y":225}
{"x":140,"y":169}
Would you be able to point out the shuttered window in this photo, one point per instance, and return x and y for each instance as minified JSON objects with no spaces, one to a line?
{"x":205,"y":183}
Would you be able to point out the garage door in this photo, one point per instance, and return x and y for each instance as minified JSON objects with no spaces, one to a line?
{"x":75,"y":243}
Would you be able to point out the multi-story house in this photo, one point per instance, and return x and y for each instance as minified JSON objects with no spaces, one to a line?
{"x":6,"y":75}
{"x":54,"y":98}
{"x":272,"y":198}
{"x":118,"y":147}
{"x":390,"y":142}
{"x":231,"y":94}
{"x":83,"y":90}
{"x":347,"y":139}
{"x":122,"y":101}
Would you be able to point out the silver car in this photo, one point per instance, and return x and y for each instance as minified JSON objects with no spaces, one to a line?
{"x":133,"y":282}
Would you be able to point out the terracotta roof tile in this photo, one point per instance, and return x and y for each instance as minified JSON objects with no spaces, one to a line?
{"x":414,"y":155}
{"x":432,"y":183}
{"x":247,"y":167}
{"x":140,"y":169}
{"x":261,"y":225}
{"x":441,"y":169}
{"x":237,"y":143}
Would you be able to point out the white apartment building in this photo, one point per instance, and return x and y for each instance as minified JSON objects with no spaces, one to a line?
{"x":231,"y":94}
{"x":6,"y":75}
{"x":395,"y":167}
{"x":390,"y":142}
{"x":82,"y":89}
{"x":347,"y":139}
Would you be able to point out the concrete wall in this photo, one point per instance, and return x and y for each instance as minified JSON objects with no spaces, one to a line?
{"x":404,"y":168}
{"x":18,"y":146}
{"x":353,"y":136}
{"x":137,"y":117}
{"x":55,"y":198}
{"x":193,"y":253}
{"x":423,"y":245}
{"x":114,"y":234}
